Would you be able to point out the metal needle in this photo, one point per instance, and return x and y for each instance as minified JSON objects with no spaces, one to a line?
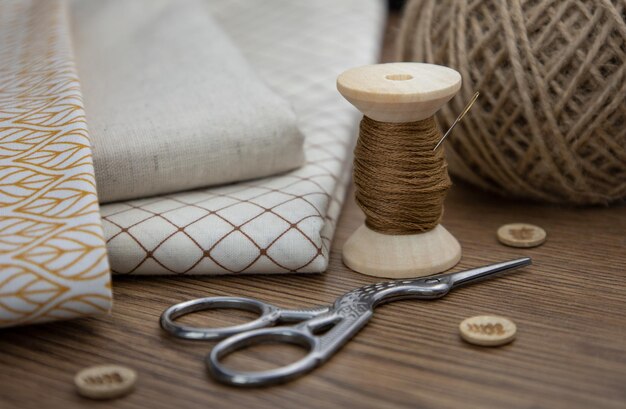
{"x":458,"y":119}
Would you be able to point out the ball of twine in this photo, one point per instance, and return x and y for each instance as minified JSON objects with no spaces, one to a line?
{"x":550,"y":123}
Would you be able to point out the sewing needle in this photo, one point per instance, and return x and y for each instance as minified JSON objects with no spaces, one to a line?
{"x":458,"y":119}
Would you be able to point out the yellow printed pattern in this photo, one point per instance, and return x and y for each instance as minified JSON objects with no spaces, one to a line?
{"x":53,"y":262}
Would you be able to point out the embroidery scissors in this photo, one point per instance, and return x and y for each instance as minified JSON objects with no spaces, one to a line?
{"x":341,"y":321}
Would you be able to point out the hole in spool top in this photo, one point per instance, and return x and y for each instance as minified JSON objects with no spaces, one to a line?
{"x":399,"y":77}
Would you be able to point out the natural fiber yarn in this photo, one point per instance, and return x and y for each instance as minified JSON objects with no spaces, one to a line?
{"x":401,"y":182}
{"x":551,"y":120}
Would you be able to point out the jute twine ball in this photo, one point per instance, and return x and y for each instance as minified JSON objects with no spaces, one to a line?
{"x":550,"y":123}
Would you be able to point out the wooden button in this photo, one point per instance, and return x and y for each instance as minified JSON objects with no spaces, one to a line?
{"x":488,"y":330}
{"x":105,"y":381}
{"x":521,"y":235}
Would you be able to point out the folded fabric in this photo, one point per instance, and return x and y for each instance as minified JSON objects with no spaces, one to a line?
{"x":53,"y":262}
{"x":171,"y":103}
{"x":278,"y":224}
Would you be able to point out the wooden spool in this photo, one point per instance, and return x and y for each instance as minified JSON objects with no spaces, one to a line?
{"x":400,"y":92}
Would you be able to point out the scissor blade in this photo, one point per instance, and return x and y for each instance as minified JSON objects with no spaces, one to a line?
{"x":486,"y":272}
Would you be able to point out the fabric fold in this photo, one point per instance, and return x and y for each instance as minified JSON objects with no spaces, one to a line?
{"x":276,"y":224}
{"x":172,"y":104}
{"x":53,"y":262}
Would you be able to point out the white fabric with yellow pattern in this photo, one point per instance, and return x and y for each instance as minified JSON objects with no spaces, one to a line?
{"x":53,"y":262}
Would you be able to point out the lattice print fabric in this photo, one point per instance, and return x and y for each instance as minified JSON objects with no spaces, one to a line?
{"x":53,"y":262}
{"x":278,"y":224}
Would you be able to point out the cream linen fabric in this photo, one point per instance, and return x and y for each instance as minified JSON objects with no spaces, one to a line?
{"x":53,"y":262}
{"x":278,"y":224}
{"x":171,"y":103}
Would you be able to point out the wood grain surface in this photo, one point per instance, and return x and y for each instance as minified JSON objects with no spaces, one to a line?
{"x":569,"y":307}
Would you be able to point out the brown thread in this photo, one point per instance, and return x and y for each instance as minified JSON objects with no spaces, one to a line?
{"x":401,"y":182}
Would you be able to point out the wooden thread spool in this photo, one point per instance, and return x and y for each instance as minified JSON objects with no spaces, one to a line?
{"x":399,"y":93}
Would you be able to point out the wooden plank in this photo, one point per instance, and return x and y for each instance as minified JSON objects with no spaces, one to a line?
{"x":570,"y":349}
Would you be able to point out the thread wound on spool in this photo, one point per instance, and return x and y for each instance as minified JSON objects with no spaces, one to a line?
{"x":401,"y":182}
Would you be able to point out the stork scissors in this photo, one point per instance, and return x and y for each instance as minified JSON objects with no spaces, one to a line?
{"x":322,"y":330}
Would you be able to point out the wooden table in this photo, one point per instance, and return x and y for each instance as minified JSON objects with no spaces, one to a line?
{"x":570,"y":308}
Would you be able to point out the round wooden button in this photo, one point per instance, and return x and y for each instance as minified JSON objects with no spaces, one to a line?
{"x":521,"y":235}
{"x":488,"y":330}
{"x":105,"y":381}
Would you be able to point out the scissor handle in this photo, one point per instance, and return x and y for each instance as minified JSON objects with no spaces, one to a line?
{"x":269,"y":314}
{"x":284,"y":334}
